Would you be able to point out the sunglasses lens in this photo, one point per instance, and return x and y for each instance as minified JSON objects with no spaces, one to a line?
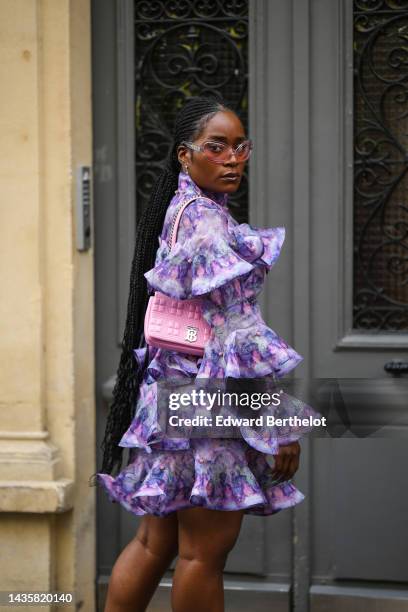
{"x":216,"y":151}
{"x":244,"y":151}
{"x":220,"y":152}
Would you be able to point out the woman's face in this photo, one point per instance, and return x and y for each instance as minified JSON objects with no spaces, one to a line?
{"x":224,"y":127}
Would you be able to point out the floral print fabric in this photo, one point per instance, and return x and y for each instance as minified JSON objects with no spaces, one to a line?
{"x":225,"y":263}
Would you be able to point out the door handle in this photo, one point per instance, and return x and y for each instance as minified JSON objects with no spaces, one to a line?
{"x":396,"y":367}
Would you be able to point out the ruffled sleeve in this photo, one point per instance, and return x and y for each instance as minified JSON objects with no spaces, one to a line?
{"x":210,"y":252}
{"x":260,"y":245}
{"x":203,"y":258}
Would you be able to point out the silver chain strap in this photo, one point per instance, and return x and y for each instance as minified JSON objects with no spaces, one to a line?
{"x":179,"y":207}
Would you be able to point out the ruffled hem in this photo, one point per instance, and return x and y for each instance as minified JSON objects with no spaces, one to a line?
{"x":249,"y":352}
{"x":219,"y":475}
{"x":146,"y":433}
{"x":267,"y":439}
{"x":164,"y":363}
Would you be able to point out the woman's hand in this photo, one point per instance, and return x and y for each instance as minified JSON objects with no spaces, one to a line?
{"x":287,"y":461}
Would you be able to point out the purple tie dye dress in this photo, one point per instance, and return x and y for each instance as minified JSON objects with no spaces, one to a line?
{"x":225,"y":263}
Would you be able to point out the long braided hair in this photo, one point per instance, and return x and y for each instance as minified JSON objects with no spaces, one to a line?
{"x":189,"y":123}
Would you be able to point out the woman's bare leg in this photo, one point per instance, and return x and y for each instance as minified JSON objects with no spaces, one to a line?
{"x":205,"y":539}
{"x":142,"y":563}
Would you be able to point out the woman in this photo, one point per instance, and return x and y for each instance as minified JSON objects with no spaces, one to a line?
{"x":184,"y":487}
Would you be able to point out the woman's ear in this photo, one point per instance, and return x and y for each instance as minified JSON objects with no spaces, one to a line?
{"x":183,"y":155}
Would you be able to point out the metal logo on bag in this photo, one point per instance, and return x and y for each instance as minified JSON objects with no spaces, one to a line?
{"x":191,"y":333}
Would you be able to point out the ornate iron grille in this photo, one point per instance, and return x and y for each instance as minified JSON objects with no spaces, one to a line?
{"x":186,"y":48}
{"x":380,"y":297}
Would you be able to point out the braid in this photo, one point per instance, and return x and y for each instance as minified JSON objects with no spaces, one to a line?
{"x":189,"y":123}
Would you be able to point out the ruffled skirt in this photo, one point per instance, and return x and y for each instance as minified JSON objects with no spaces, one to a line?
{"x":219,"y":474}
{"x":165,"y":474}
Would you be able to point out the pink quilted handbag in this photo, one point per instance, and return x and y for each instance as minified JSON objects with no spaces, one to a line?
{"x":177,"y":325}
